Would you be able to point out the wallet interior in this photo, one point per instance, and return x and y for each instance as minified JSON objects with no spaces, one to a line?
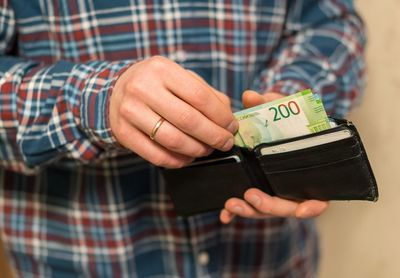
{"x":338,"y":170}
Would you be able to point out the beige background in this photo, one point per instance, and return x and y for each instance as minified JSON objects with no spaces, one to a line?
{"x":363,"y":239}
{"x":5,"y":271}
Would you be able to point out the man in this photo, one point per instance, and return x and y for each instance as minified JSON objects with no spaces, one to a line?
{"x":95,"y":93}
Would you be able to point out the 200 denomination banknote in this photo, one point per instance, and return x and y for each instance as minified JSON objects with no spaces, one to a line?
{"x":291,"y":116}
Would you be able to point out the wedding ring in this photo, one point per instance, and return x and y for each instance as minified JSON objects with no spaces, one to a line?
{"x":155,"y":128}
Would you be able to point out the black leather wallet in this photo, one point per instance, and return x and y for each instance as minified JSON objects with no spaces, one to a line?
{"x":328,"y":165}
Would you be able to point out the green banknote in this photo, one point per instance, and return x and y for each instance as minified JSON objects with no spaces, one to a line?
{"x":291,"y":116}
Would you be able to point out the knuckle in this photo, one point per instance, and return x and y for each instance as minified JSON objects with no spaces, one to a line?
{"x":186,"y":118}
{"x":251,"y":212}
{"x":227,"y":120}
{"x":225,"y":117}
{"x":121,"y":133}
{"x":169,"y":162}
{"x":200,"y":97}
{"x":218,"y":141}
{"x":265,"y":209}
{"x":158,"y":63}
{"x":134,"y":86}
{"x":124,"y":109}
{"x":225,"y":99}
{"x":202,"y":151}
{"x":161,"y":161}
{"x":174,"y":142}
{"x":179,"y":163}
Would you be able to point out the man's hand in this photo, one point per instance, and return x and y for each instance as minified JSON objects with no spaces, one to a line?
{"x":198,"y":118}
{"x":257,"y":204}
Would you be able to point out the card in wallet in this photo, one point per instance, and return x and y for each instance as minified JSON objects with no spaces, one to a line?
{"x":327,"y":165}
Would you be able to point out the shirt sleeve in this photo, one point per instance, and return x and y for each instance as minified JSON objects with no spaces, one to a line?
{"x":322,"y":48}
{"x":48,"y":112}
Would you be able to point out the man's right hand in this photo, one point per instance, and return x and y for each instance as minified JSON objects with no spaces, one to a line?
{"x":198,"y":118}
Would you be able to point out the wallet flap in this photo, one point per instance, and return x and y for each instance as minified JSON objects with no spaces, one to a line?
{"x":209,"y":182}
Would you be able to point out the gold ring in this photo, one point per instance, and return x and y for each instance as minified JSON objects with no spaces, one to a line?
{"x":155,"y":128}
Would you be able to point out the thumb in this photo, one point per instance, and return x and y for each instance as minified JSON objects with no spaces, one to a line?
{"x":252,"y":98}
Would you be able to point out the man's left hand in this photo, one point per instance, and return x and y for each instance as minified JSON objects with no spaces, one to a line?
{"x":257,"y":204}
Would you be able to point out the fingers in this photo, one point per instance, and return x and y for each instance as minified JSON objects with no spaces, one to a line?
{"x":276,"y":206}
{"x":222,"y":97}
{"x":190,"y":121}
{"x":257,"y":204}
{"x":242,"y":208}
{"x":267,"y":204}
{"x":311,"y":208}
{"x":251,"y":98}
{"x":226,"y":216}
{"x":170,"y":137}
{"x":199,"y":95}
{"x":136,"y":140}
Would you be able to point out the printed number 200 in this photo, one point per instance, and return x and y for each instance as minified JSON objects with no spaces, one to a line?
{"x":285,"y":110}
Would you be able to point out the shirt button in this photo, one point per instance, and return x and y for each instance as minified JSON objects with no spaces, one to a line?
{"x":203,"y":258}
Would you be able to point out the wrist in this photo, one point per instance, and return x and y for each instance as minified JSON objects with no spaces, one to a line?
{"x":95,"y":103}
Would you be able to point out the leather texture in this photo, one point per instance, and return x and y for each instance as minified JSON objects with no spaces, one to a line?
{"x":339,"y":170}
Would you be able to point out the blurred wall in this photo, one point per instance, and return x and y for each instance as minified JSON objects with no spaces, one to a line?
{"x":363,"y":239}
{"x":5,"y":271}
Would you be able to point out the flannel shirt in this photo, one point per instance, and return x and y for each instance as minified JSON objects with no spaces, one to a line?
{"x":73,"y":203}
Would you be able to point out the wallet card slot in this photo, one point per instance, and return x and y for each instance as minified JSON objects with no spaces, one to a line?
{"x":341,"y":180}
{"x":338,"y":128}
{"x":348,"y":142}
{"x":216,"y":161}
{"x":314,"y":156}
{"x":268,"y":172}
{"x":306,"y":143}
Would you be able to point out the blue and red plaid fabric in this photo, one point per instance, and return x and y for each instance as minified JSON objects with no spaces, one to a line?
{"x":73,"y":203}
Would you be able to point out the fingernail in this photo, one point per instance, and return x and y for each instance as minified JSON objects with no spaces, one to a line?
{"x":255,"y":200}
{"x":237,"y":209}
{"x":228,"y":145}
{"x":233,"y":126}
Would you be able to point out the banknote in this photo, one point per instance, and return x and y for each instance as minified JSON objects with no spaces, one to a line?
{"x":291,"y":116}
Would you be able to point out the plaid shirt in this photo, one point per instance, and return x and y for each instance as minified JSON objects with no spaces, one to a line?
{"x":73,"y":203}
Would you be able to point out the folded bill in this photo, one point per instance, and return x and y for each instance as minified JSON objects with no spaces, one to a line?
{"x":291,"y":116}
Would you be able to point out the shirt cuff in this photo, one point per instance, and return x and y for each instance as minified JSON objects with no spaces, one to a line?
{"x":95,"y":103}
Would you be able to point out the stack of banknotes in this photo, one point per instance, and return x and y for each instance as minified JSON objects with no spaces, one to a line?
{"x":287,"y":117}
